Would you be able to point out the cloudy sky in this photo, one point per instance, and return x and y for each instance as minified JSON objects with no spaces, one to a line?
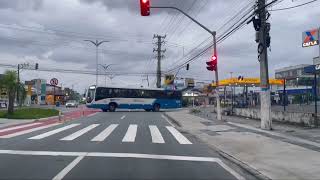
{"x":52,"y":33}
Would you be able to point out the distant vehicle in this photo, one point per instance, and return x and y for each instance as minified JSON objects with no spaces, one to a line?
{"x":72,"y":103}
{"x":111,"y":98}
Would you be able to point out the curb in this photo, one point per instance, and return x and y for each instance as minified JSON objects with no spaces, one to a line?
{"x":172,"y":119}
{"x":227,"y":156}
{"x":243,"y":165}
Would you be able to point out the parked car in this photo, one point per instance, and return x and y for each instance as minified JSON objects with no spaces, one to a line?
{"x":72,"y":103}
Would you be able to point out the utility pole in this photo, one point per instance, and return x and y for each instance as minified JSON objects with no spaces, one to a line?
{"x":159,"y":56}
{"x":264,"y":43}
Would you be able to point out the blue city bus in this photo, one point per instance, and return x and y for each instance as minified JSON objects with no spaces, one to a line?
{"x":149,"y":99}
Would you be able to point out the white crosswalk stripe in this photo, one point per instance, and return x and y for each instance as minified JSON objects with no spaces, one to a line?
{"x":155,"y":134}
{"x":131,"y":133}
{"x":18,"y":127}
{"x":28,"y":131}
{"x":79,"y":133}
{"x":105,"y":133}
{"x":47,"y":134}
{"x":179,"y":137}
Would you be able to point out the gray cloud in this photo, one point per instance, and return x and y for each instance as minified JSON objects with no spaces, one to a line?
{"x":21,"y":5}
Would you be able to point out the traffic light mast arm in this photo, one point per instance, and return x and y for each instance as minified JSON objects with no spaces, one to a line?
{"x":201,"y":25}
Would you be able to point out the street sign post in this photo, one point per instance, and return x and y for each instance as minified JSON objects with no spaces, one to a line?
{"x":54,"y":81}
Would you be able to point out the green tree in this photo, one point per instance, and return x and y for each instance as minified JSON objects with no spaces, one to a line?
{"x":9,"y":81}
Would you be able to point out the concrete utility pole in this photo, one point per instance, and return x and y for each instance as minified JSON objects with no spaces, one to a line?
{"x":97,"y":44}
{"x":266,"y":119}
{"x":159,"y":56}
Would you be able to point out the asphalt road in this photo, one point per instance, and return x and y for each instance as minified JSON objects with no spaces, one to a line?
{"x":119,"y":145}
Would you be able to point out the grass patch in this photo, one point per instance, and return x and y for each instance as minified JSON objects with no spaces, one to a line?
{"x":29,"y":113}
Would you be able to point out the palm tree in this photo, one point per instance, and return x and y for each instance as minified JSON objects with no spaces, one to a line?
{"x":9,"y":81}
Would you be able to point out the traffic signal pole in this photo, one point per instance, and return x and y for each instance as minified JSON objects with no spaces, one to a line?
{"x":217,"y":78}
{"x":213,"y":33}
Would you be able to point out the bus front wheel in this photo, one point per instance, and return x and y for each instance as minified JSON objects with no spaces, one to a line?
{"x":112,"y":107}
{"x":156,"y":107}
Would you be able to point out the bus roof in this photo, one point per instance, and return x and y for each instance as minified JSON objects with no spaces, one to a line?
{"x":142,"y":88}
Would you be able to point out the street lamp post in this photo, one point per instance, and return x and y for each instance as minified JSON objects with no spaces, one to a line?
{"x":97,"y":44}
{"x":213,"y":34}
{"x":105,"y":68}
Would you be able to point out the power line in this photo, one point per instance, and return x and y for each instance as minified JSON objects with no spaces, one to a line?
{"x":292,"y":7}
{"x":222,"y":37}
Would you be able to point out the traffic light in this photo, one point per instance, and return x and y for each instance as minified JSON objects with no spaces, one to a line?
{"x":145,"y":7}
{"x":187,"y":67}
{"x":212,"y":65}
{"x":37,"y":66}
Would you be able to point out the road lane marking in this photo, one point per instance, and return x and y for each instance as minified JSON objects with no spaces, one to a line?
{"x":124,"y":155}
{"x":155,"y":134}
{"x":41,"y":136}
{"x":79,"y":133}
{"x":68,"y":168}
{"x":124,"y":116}
{"x":178,"y":136}
{"x":165,"y":118}
{"x":105,"y":133}
{"x":18,"y":127}
{"x":28,"y":131}
{"x":131,"y":133}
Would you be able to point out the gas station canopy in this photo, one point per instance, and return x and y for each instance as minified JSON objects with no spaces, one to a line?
{"x":247,"y":82}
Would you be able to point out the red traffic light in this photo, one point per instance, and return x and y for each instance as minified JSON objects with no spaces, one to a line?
{"x":145,"y":7}
{"x":212,"y":65}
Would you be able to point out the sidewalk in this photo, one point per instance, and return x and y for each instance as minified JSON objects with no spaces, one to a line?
{"x":269,"y":154}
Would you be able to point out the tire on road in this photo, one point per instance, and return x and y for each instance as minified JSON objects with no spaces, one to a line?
{"x":156,"y":107}
{"x":112,"y":107}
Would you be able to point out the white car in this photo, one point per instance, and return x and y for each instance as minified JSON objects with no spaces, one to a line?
{"x":72,"y":103}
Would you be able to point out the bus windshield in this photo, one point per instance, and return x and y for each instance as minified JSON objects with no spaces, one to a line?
{"x":90,"y":94}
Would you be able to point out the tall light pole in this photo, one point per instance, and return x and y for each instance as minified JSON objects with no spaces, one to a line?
{"x":105,"y":68}
{"x":97,"y":44}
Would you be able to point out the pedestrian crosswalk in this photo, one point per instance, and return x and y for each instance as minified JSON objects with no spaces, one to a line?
{"x":128,"y":134}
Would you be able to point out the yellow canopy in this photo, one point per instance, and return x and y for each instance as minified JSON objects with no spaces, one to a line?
{"x":247,"y":82}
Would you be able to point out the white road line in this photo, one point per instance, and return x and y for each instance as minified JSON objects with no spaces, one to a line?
{"x":121,"y":155}
{"x":179,"y":137}
{"x":28,"y":131}
{"x":40,"y":136}
{"x":79,"y":133}
{"x":124,"y":116}
{"x":165,"y":118}
{"x":230,"y":170}
{"x":105,"y":133}
{"x":68,"y":168}
{"x":131,"y":133}
{"x":18,"y":127}
{"x":155,"y":134}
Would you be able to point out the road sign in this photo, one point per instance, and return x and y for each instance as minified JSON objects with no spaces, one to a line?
{"x":310,"y":38}
{"x":54,"y":81}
